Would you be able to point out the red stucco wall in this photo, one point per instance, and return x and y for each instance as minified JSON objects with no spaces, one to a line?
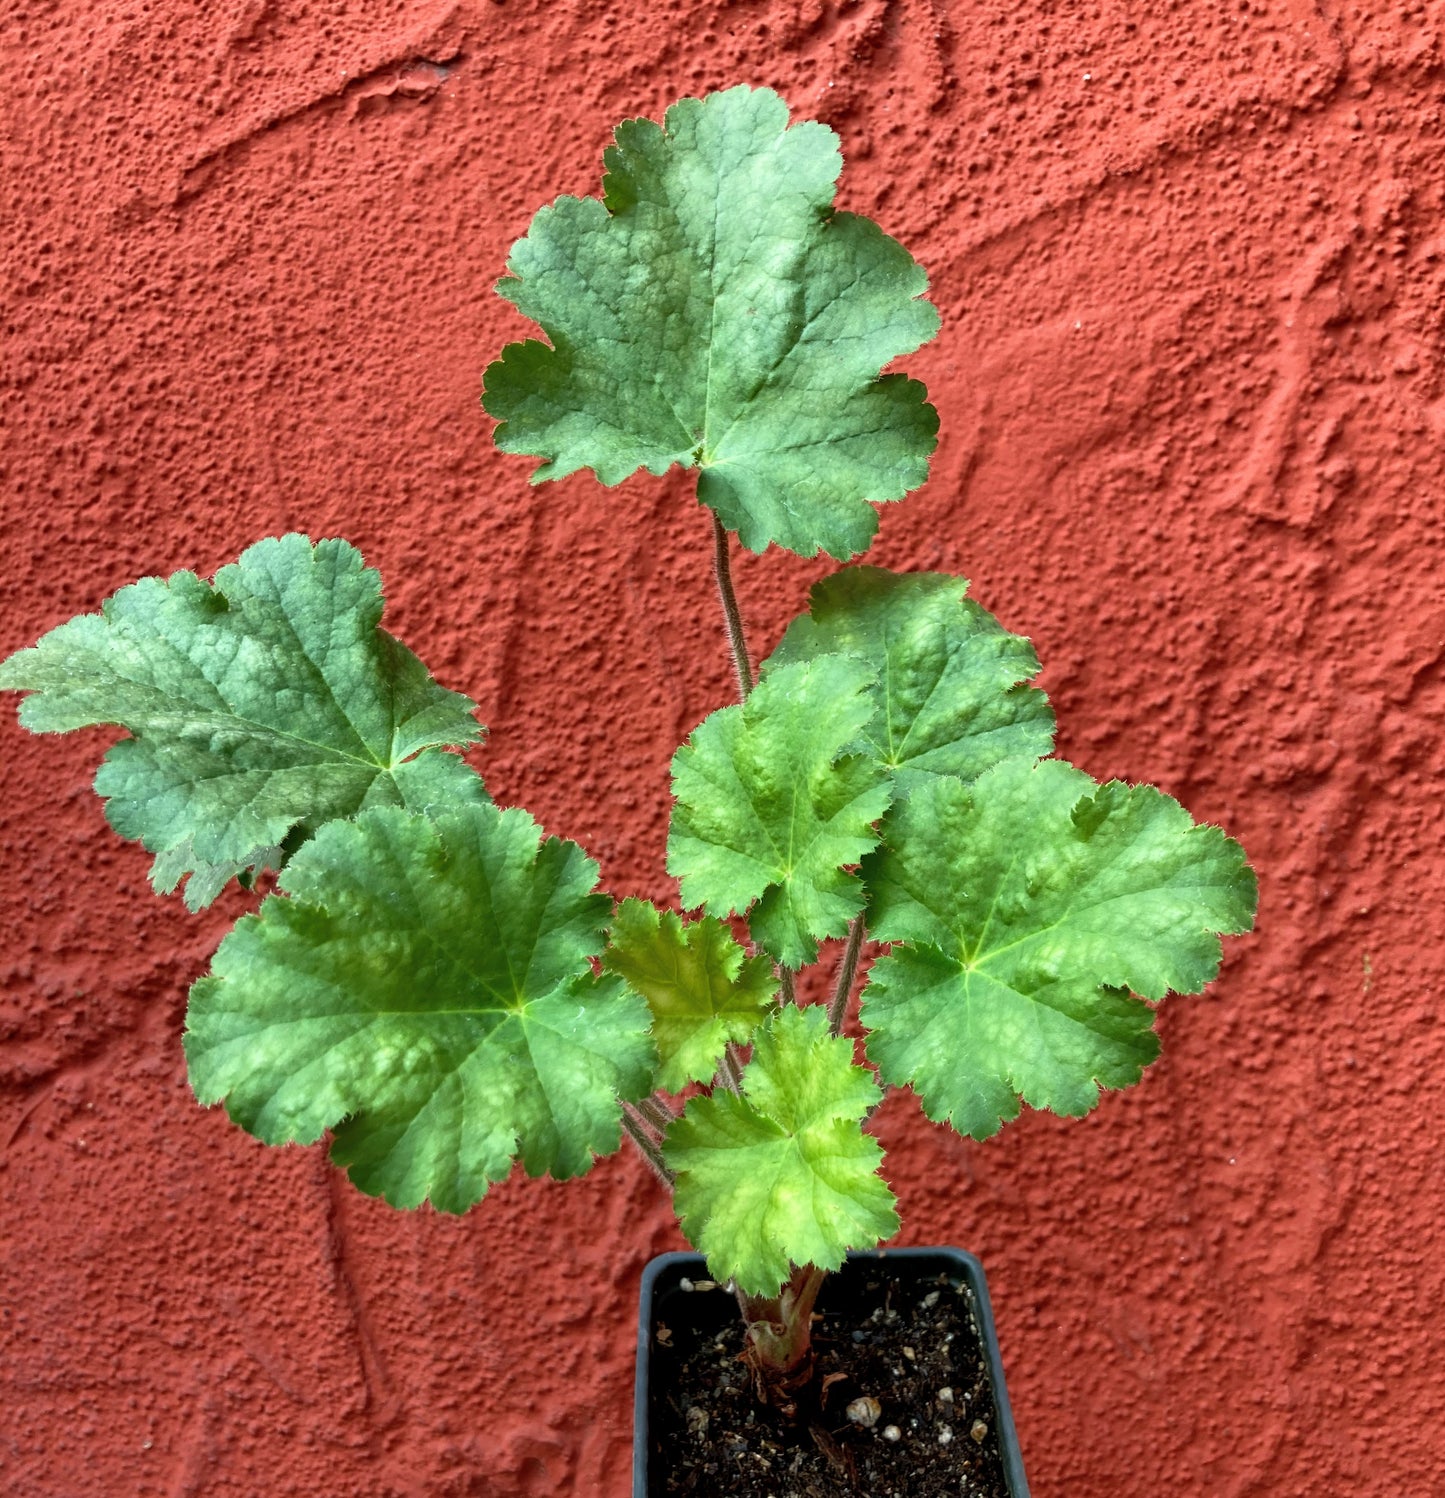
{"x":1191,"y":260}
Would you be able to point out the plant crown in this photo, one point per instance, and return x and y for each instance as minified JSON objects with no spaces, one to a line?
{"x":443,"y":988}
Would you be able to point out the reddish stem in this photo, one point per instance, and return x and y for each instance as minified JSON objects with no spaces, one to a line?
{"x":780,"y":1337}
{"x":722,"y":570}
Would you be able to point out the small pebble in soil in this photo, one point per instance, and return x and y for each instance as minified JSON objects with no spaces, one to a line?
{"x":979,"y":1432}
{"x":865,"y":1411}
{"x":945,"y":1395}
{"x":945,"y":1435}
{"x":892,"y":1433}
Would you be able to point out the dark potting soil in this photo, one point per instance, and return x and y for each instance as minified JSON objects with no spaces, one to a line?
{"x":893,"y":1333}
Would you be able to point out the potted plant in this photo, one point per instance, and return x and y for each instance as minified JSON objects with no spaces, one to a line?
{"x":446,"y":992}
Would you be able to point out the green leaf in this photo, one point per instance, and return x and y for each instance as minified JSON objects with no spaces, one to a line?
{"x":948,"y":691}
{"x":1029,"y":905}
{"x":715,"y":312}
{"x":426,"y":992}
{"x":771,"y":807}
{"x":206,"y":880}
{"x":784,"y":1174}
{"x":702,"y":988}
{"x":261,"y":706}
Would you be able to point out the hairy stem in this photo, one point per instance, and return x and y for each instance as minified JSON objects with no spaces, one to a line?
{"x":722,"y":570}
{"x":730,"y":1069}
{"x":656,"y":1112}
{"x":847,"y":971}
{"x":647,"y":1147}
{"x":785,"y":982}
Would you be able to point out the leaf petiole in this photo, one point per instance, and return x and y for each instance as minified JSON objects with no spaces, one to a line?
{"x":730,"y":1068}
{"x":647,"y":1147}
{"x":722,"y":570}
{"x":847,"y":971}
{"x":656,"y":1112}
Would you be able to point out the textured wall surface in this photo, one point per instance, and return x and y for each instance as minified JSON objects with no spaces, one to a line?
{"x":1191,"y":261}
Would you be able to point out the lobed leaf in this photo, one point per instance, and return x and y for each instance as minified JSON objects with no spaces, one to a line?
{"x":427,"y":992}
{"x":772,"y":806}
{"x":783,"y":1174}
{"x":702,"y":988}
{"x":713,"y":311}
{"x":948,"y":690}
{"x":1028,"y":906}
{"x":260,"y":706}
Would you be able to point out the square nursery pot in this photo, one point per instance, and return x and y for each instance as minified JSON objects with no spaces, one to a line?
{"x":909,"y":1328}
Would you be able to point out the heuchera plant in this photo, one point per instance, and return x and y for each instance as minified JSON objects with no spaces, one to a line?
{"x":447,"y":992}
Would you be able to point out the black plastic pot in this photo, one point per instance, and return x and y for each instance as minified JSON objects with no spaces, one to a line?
{"x":663,"y":1288}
